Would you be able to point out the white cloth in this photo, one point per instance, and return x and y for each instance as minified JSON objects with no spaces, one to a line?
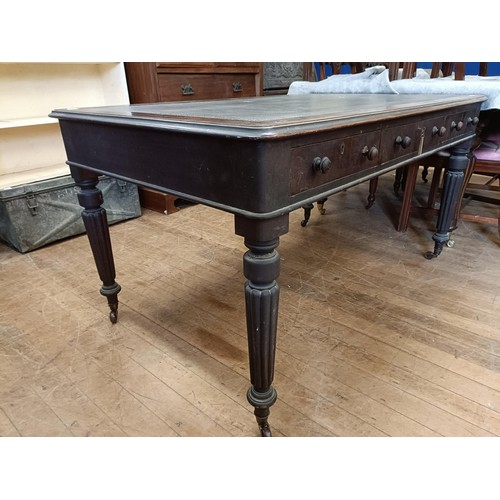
{"x":373,"y":80}
{"x":376,"y":81}
{"x":487,"y":87}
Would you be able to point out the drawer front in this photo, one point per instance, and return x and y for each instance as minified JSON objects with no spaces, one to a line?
{"x":182,"y":87}
{"x":401,"y":142}
{"x":320,"y":163}
{"x":445,"y":129}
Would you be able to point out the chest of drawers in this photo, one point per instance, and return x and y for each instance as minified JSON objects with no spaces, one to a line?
{"x":180,"y":81}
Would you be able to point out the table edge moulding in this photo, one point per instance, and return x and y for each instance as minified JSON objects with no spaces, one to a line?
{"x":150,"y":82}
{"x":260,"y":158}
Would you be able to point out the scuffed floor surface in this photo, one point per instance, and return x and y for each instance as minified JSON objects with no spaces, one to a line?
{"x":374,"y":340}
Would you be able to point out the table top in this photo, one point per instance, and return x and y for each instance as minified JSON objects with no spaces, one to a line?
{"x":258,"y":156}
{"x":269,"y":116}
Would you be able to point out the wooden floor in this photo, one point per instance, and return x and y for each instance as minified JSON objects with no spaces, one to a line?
{"x":374,"y":340}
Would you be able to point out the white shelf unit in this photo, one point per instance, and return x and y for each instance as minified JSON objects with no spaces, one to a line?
{"x":31,"y":147}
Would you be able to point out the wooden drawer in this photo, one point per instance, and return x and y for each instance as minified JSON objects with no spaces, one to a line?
{"x":188,"y":86}
{"x":401,"y":141}
{"x":340,"y":156}
{"x":209,"y":67}
{"x":444,"y":129}
{"x":325,"y":162}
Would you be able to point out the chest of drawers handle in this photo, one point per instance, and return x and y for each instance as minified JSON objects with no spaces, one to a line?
{"x":237,"y":87}
{"x":187,"y":89}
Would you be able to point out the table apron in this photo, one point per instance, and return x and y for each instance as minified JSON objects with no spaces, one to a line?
{"x":261,"y":178}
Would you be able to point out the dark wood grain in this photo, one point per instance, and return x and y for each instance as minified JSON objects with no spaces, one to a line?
{"x":260,"y":159}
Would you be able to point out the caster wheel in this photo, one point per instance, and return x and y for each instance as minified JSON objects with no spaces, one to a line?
{"x":265,"y":431}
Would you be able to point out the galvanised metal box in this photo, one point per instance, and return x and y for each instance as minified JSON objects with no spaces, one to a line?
{"x":35,"y":214}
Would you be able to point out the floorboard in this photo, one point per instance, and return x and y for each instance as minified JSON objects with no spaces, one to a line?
{"x":374,"y":340}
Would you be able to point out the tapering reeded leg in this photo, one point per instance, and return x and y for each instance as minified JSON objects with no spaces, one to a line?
{"x":457,"y":163}
{"x":261,"y":267}
{"x":96,"y":223}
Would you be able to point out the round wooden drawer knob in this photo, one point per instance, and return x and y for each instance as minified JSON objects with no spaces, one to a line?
{"x":404,"y":142}
{"x":370,"y":153}
{"x":322,"y":164}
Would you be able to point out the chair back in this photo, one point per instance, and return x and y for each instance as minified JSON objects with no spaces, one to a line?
{"x":336,"y":68}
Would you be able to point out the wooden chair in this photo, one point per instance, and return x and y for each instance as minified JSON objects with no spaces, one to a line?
{"x":485,"y":166}
{"x":448,"y":69}
{"x":336,"y":68}
{"x":438,"y":161}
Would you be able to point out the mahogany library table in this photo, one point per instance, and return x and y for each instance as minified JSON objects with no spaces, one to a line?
{"x":259,"y":159}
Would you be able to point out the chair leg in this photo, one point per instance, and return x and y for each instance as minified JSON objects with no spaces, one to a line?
{"x":308,"y":208}
{"x":320,"y":204}
{"x":398,"y":180}
{"x":436,"y":180}
{"x":410,"y":182}
{"x":372,"y":191}
{"x":307,"y":214}
{"x":425,"y":173}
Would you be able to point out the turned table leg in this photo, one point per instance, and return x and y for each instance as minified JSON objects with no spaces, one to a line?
{"x":454,"y":177}
{"x":261,"y":267}
{"x":96,"y":223}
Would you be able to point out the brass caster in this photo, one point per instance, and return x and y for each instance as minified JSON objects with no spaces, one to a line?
{"x":113,"y":314}
{"x":265,"y":430}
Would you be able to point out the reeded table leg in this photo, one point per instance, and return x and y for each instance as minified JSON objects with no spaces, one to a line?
{"x":96,"y":223}
{"x":457,"y":163}
{"x":261,"y":266}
